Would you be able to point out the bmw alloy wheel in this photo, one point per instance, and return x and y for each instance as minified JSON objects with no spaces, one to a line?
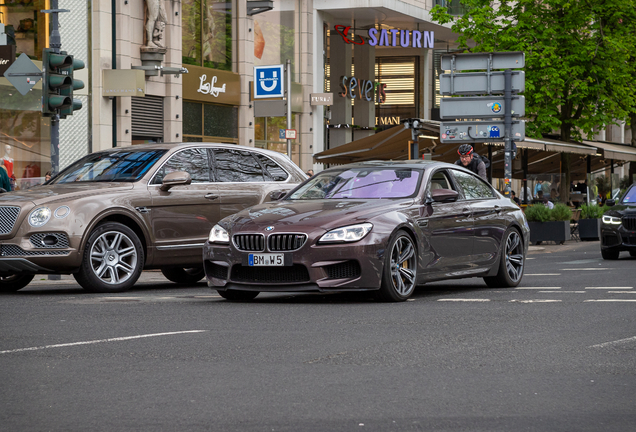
{"x":403,"y":266}
{"x":514,"y":256}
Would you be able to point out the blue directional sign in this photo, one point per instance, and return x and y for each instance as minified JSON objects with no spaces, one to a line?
{"x":268,"y":81}
{"x":281,"y":133}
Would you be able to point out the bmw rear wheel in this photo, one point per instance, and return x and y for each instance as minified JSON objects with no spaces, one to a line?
{"x":400,"y":269}
{"x":113,"y":259}
{"x":511,"y":264}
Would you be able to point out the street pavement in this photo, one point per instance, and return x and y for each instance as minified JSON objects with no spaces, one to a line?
{"x":554,"y":354}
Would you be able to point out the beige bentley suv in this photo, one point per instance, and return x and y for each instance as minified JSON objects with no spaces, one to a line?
{"x":114,"y":213}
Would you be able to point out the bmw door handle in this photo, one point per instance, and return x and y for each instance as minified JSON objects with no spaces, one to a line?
{"x":211,"y":196}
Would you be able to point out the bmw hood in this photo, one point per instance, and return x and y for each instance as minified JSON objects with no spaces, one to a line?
{"x":311,"y":214}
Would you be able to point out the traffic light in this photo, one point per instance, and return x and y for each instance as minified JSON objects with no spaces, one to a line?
{"x":56,"y":80}
{"x":76,"y":84}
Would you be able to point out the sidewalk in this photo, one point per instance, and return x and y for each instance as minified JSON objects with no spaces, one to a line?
{"x":549,"y":247}
{"x":146,"y":276}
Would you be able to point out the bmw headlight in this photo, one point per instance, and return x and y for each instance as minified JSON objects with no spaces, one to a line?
{"x":39,"y":216}
{"x":219,"y":235}
{"x":611,"y":220}
{"x":351,"y":233}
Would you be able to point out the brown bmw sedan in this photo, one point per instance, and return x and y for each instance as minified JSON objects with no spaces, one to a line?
{"x":114,"y":213}
{"x":383,"y":226}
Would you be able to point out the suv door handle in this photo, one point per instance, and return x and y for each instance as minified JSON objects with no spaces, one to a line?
{"x":466,"y":211}
{"x":211,"y":196}
{"x":498,"y":209}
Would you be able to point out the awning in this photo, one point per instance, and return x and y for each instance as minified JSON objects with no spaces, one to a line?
{"x":388,"y":144}
{"x":614,"y":151}
{"x":393,"y":144}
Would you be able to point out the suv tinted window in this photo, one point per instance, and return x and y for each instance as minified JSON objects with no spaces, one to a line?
{"x":193,"y":161}
{"x":237,"y":166}
{"x":272,"y":170}
{"x":473,"y":186}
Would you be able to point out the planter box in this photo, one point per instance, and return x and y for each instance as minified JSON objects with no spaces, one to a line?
{"x":556,"y":231}
{"x":589,"y":229}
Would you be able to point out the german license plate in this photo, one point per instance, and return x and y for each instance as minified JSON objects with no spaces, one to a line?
{"x":255,"y":260}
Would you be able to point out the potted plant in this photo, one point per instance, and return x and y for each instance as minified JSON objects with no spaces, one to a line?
{"x":590,"y":222}
{"x":549,"y":224}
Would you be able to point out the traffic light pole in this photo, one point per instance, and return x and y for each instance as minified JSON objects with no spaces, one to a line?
{"x":55,"y":43}
{"x":507,"y":130}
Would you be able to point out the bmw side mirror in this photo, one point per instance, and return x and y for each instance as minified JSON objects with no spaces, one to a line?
{"x":610,"y":202}
{"x":177,"y":178}
{"x":444,"y":195}
{"x":277,"y":195}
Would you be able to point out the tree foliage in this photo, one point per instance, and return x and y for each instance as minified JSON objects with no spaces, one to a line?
{"x":580,"y":65}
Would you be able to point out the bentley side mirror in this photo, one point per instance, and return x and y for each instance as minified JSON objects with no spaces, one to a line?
{"x":277,"y":195}
{"x":610,"y":202}
{"x":177,"y":178}
{"x":444,"y":195}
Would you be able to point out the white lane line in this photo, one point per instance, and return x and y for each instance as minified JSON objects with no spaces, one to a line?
{"x":538,"y":288}
{"x":585,"y":269}
{"x":616,"y":342}
{"x":118,"y":339}
{"x":562,"y":292}
{"x":535,"y":301}
{"x":464,"y":300}
{"x":611,"y":300}
{"x":609,"y":288}
{"x":621,"y":292}
{"x":542,"y":274}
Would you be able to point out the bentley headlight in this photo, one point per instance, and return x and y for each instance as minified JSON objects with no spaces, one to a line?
{"x":39,"y":216}
{"x":611,"y":220}
{"x":351,"y":233}
{"x":219,"y":235}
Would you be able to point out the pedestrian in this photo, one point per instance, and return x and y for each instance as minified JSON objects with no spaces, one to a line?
{"x":514,"y":198}
{"x":546,"y":202}
{"x":310,"y":173}
{"x":471,"y":160}
{"x":527,"y":196}
{"x":47,"y":176}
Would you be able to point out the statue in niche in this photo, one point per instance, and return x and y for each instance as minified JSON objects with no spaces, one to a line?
{"x":156,"y":21}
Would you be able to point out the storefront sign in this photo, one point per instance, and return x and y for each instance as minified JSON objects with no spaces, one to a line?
{"x":393,"y":120}
{"x":7,"y":57}
{"x":362,"y":89}
{"x":321,"y":99}
{"x":123,"y":82}
{"x":212,"y":85}
{"x":392,"y":37}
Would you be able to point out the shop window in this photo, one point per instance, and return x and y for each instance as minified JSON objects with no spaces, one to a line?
{"x":210,"y":123}
{"x":207,"y":33}
{"x":275,"y":36}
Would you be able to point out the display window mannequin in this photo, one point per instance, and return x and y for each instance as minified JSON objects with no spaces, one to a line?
{"x":8,"y":160}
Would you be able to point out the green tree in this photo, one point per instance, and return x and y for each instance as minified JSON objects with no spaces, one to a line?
{"x":579,"y":58}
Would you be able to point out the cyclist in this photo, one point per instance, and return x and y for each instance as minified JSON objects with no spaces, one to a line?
{"x":471,"y":160}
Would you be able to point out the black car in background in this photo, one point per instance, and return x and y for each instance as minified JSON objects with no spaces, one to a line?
{"x":618,"y":230}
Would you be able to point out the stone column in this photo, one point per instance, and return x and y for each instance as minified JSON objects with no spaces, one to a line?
{"x":306,"y":80}
{"x":245,"y":67}
{"x":340,"y":65}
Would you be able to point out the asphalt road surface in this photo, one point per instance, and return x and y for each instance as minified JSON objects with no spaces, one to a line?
{"x":558,"y":353}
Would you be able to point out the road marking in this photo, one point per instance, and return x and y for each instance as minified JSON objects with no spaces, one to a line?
{"x":563,"y":292}
{"x":616,"y":342}
{"x":535,"y":301}
{"x":465,"y":300}
{"x":586,"y":269}
{"x":543,"y":274}
{"x":539,"y":288}
{"x":611,"y":300}
{"x":621,"y":292}
{"x":614,"y":288}
{"x":100,"y":341}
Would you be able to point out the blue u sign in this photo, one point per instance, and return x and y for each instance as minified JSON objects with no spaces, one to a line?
{"x":268,"y":81}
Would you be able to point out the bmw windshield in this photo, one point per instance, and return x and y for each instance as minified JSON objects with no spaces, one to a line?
{"x":361,"y":183}
{"x":115,"y":166}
